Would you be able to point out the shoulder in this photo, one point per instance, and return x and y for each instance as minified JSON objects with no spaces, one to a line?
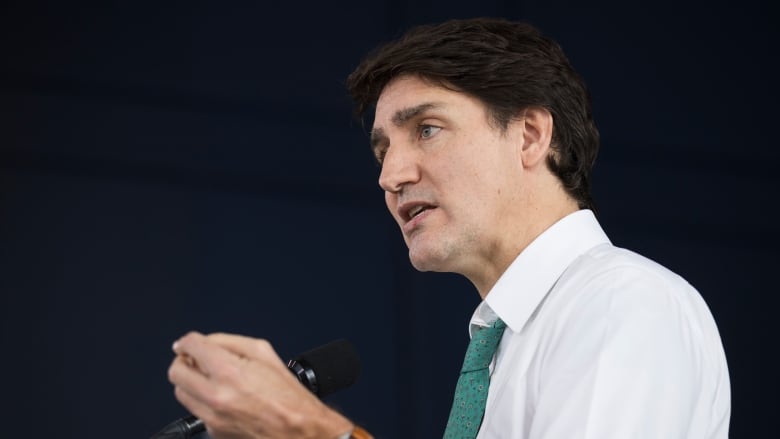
{"x":610,"y":263}
{"x":613,"y":289}
{"x":619,"y":333}
{"x":609,"y":272}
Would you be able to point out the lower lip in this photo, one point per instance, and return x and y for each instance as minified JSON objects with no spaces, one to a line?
{"x":414,"y":222}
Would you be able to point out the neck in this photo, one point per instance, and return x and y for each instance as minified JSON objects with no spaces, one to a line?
{"x":535,"y":222}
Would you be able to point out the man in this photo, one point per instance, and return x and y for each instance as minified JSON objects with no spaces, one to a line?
{"x":486,"y":140}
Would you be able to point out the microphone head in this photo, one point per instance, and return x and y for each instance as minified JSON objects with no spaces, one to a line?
{"x":335,"y":366}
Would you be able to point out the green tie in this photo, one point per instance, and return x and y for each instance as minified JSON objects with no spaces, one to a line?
{"x":472,"y":388}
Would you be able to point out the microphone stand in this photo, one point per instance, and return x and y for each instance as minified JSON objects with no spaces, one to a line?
{"x":181,"y":428}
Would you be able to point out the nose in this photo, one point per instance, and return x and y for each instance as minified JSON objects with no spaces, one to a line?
{"x":399,"y":167}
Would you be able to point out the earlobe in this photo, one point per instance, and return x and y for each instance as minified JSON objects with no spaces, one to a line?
{"x":537,"y":134}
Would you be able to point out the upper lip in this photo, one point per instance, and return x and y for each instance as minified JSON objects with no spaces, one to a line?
{"x":406,"y":209}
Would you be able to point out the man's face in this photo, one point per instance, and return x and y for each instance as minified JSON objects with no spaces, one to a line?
{"x":450,"y":177}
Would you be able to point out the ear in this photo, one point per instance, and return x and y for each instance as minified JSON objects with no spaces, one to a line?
{"x":537,"y":135}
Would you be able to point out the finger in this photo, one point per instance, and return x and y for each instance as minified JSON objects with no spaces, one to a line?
{"x":194,"y":405}
{"x":181,"y":345}
{"x":253,"y":348}
{"x":207,"y":355}
{"x":189,"y":378}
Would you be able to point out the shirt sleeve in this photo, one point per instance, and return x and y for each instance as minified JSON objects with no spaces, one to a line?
{"x":624,"y":361}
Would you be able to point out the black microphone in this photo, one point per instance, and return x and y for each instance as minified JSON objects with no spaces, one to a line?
{"x":322,"y":370}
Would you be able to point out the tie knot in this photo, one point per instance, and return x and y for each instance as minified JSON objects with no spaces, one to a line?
{"x":483,"y":345}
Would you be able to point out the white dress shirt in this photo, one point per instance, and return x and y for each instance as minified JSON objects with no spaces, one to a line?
{"x":601,"y":343}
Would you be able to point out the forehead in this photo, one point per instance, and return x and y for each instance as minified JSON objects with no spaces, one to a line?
{"x":411,"y":92}
{"x":407,"y":86}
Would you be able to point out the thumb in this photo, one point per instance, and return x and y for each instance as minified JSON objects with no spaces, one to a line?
{"x":248,"y":347}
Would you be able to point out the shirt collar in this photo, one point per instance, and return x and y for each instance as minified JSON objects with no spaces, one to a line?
{"x":521,"y":288}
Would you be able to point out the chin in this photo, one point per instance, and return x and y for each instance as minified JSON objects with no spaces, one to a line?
{"x":427,"y":259}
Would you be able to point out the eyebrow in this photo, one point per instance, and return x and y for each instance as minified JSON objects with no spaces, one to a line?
{"x":403,"y":115}
{"x":400,"y":117}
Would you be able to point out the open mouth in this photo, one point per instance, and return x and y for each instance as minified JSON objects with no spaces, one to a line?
{"x":415,"y":210}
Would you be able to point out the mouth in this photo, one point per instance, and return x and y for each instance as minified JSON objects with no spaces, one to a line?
{"x":410,"y":211}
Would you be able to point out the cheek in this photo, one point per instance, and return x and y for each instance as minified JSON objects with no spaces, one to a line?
{"x":474,"y":201}
{"x":391,"y":200}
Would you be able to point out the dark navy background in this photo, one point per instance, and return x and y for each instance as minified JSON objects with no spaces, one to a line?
{"x":168,"y":166}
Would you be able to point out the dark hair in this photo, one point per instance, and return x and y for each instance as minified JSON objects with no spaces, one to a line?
{"x":509,"y":66}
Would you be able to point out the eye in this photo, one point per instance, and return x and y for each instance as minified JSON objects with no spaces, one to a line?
{"x":379,"y":155}
{"x":427,"y":131}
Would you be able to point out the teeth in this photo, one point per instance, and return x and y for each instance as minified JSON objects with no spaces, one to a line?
{"x":416,"y":211}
